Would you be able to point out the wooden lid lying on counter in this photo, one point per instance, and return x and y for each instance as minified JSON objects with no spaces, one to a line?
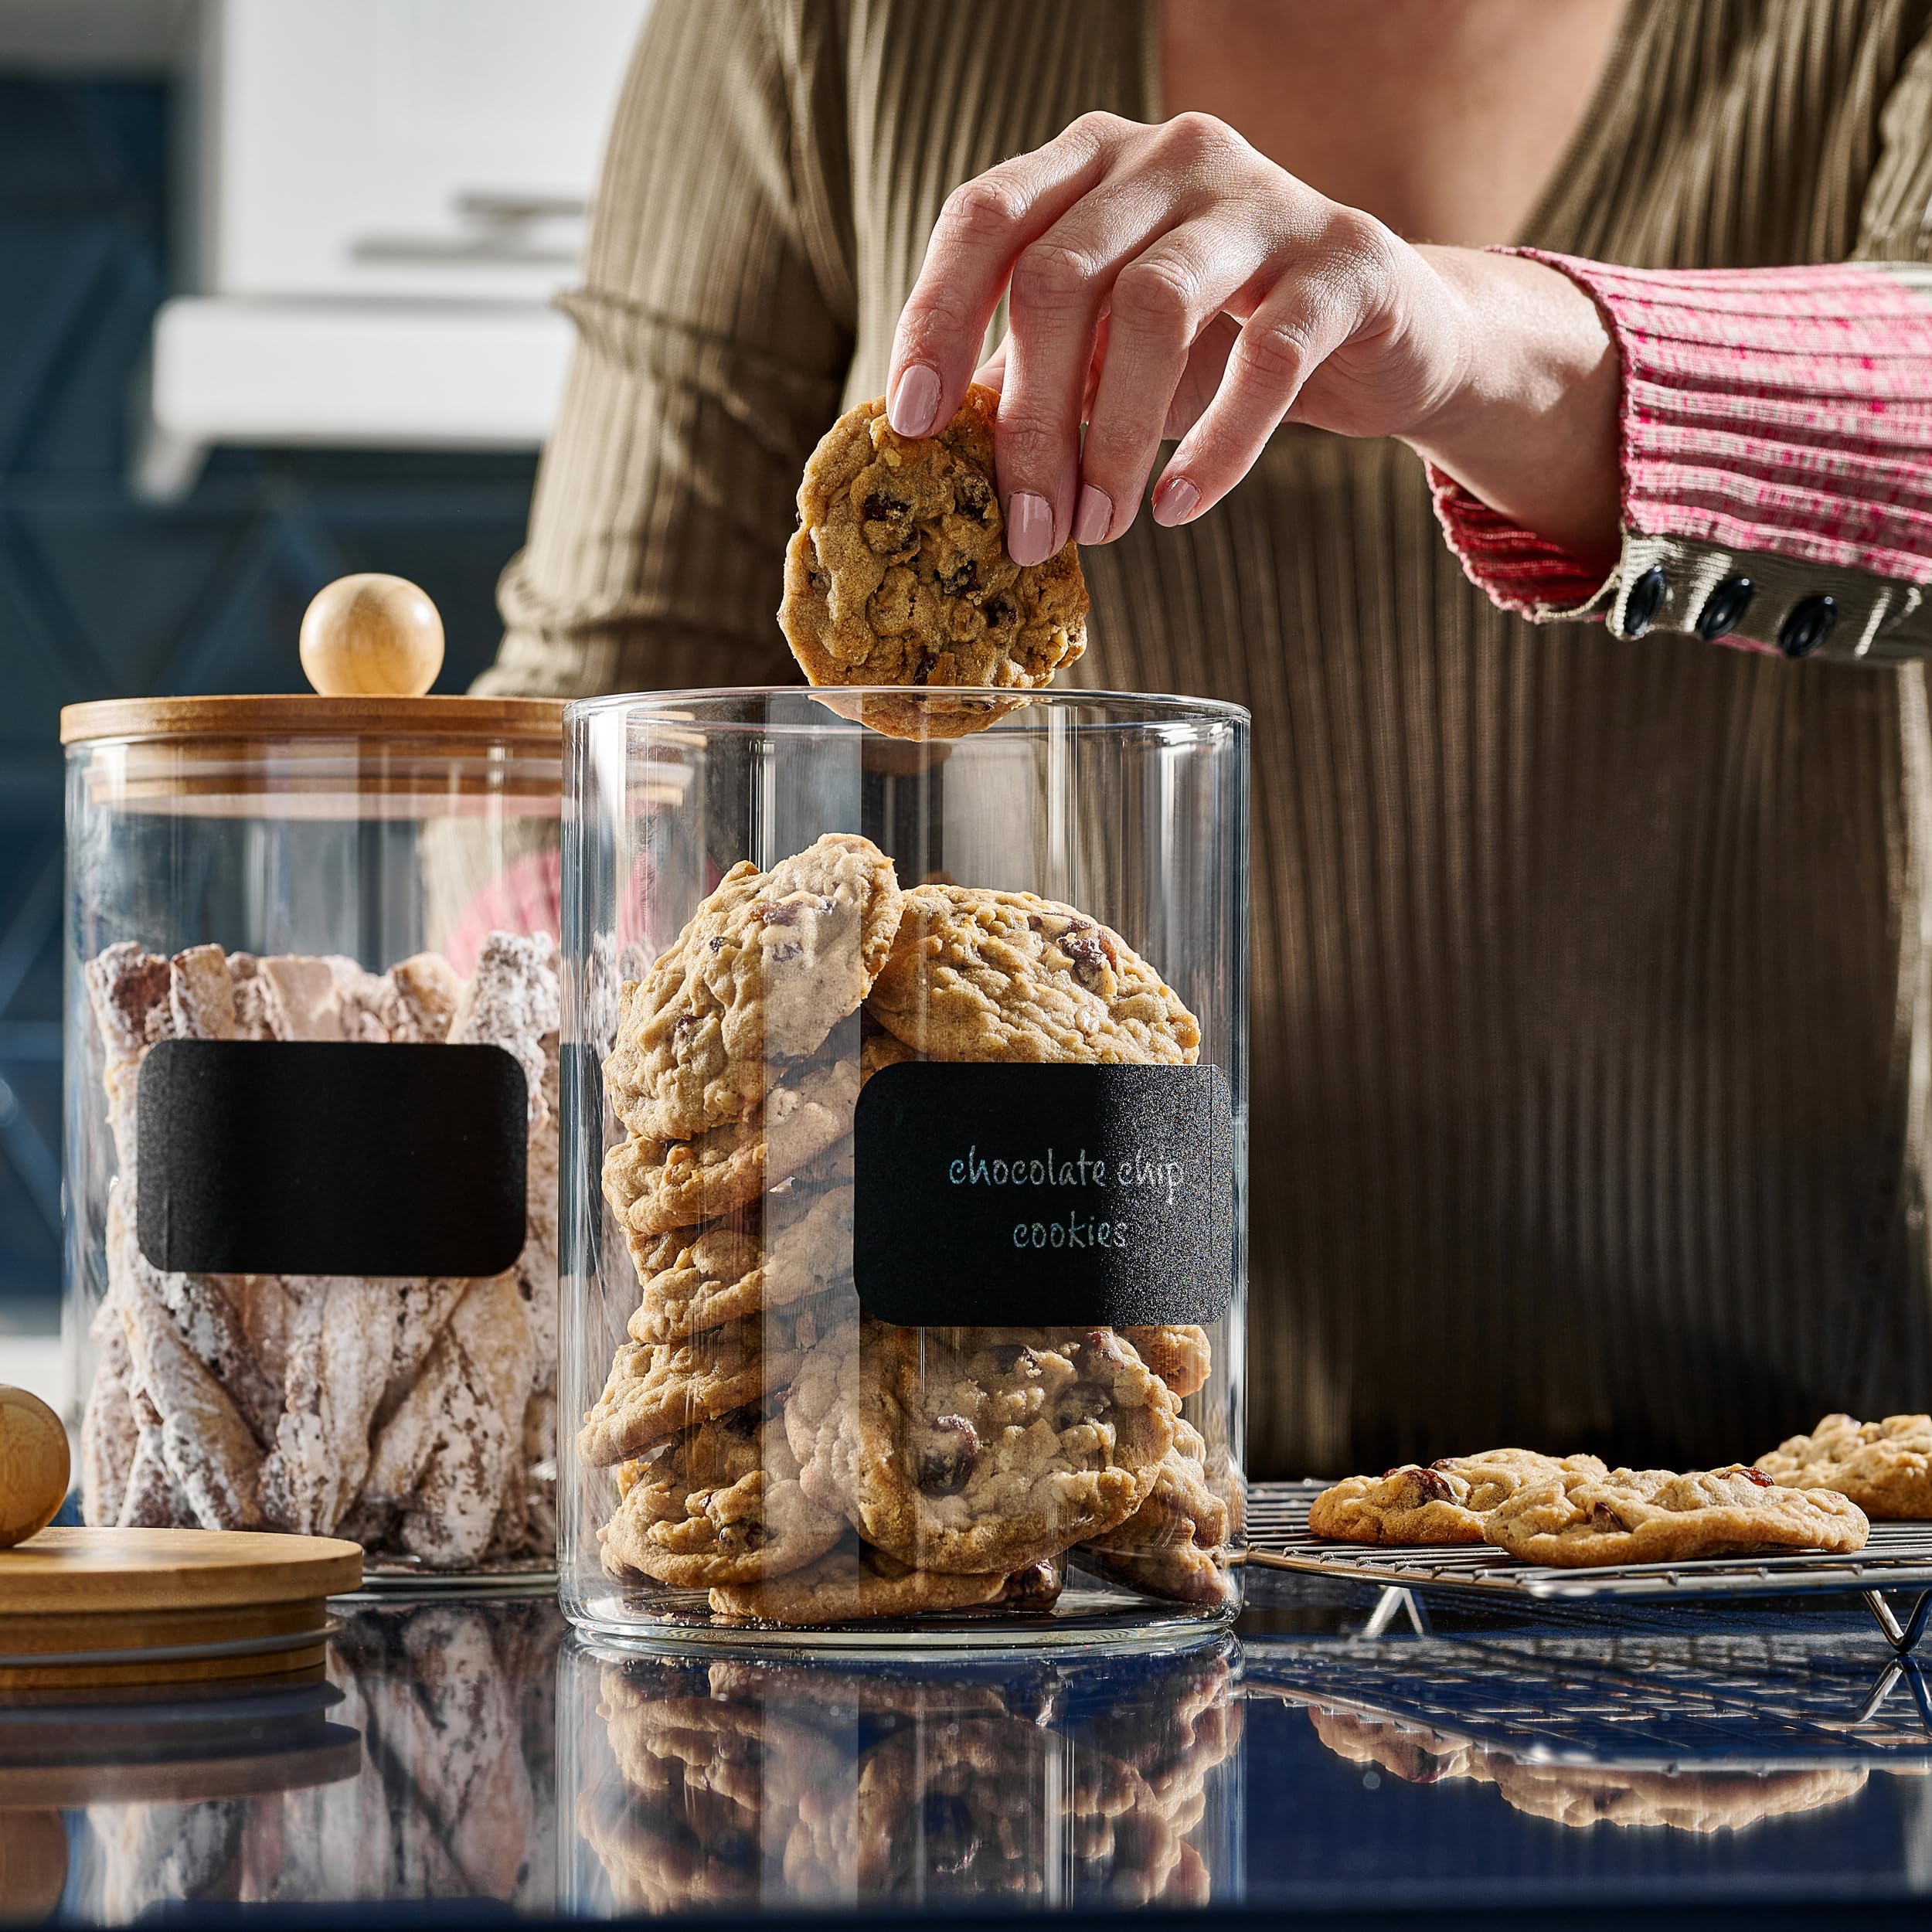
{"x":91,"y":1608}
{"x":78,"y":1572}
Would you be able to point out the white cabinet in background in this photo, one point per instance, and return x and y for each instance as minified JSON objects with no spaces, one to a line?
{"x":379,"y":199}
{"x":443,"y":148}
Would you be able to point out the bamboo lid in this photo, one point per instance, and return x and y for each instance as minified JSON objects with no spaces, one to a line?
{"x":372,"y":646}
{"x":434,"y":723}
{"x":95,"y":1607}
{"x":80,"y":1572}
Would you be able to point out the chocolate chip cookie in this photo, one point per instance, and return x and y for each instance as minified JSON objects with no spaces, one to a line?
{"x":720,"y":1504}
{"x":1413,"y":1753}
{"x":898,"y":572}
{"x":855,"y":1583}
{"x":981,"y":975}
{"x":1577,"y":1518}
{"x":1181,"y":1355}
{"x":981,"y":1450}
{"x":799,"y":1245}
{"x":1174,"y":1545}
{"x":1445,"y":1503}
{"x":655,"y":1185}
{"x":768,"y":965}
{"x":657,"y":1389}
{"x":1885,"y":1468}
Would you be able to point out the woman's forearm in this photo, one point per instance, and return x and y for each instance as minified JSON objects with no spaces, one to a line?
{"x":1774,"y":453}
{"x":1532,"y":427}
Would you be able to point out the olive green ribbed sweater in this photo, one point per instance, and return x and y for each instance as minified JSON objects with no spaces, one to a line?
{"x":1592,"y":1022}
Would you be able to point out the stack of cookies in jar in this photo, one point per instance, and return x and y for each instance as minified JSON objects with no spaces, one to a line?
{"x":759,"y":1437}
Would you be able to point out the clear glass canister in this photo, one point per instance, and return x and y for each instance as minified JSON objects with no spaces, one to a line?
{"x":311,"y":1052}
{"x":903,"y":1202}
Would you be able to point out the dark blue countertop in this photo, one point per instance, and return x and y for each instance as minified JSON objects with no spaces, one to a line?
{"x":468,"y":1760}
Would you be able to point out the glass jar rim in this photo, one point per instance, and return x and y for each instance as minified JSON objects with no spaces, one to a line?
{"x":1154,"y":706}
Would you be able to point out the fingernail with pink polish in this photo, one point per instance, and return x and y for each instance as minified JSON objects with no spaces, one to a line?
{"x":1093,"y":515}
{"x":915,"y":400}
{"x":1029,"y":528}
{"x":1175,"y":501}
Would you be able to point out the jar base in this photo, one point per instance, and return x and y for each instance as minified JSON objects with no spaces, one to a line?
{"x":383,"y":1578}
{"x":1083,"y":1619}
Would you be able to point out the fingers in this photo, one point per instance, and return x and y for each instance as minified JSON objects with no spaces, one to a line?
{"x":1165,"y":303}
{"x":991,"y":374}
{"x":1303,"y":320}
{"x":1062,"y":284}
{"x":1205,"y":366}
{"x":1128,"y":255}
{"x":982,"y":227}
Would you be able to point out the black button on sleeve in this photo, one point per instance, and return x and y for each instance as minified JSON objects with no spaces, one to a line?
{"x":1724,"y":609}
{"x":1807,"y":626}
{"x":1646,"y":598}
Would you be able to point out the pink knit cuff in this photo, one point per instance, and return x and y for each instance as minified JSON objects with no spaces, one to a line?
{"x":1781,"y":417}
{"x":1522,"y":571}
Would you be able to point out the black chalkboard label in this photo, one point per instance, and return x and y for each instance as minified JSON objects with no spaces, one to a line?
{"x":306,"y":1157}
{"x":1060,"y":1196}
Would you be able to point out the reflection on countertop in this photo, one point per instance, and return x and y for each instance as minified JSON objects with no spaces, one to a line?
{"x":421,"y":1768}
{"x":471,"y":1750}
{"x":725,"y":1781}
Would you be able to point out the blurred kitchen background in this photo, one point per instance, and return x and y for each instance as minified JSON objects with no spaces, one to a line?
{"x":274,"y":279}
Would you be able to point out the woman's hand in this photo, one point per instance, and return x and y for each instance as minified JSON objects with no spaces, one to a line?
{"x":1171,"y":281}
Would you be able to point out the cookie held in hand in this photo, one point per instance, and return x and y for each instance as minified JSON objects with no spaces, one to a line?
{"x":898,"y":574}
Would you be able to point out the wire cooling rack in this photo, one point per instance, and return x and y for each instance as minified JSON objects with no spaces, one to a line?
{"x":1896,"y":1556}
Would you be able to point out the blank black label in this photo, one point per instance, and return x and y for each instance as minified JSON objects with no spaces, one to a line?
{"x":1044,"y":1196}
{"x":298,"y":1157}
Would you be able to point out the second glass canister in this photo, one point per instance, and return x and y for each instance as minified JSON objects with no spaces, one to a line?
{"x":903,"y":1199}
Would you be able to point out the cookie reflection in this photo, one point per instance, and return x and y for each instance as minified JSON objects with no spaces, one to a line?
{"x":736,"y":1782}
{"x":1690,"y":1801}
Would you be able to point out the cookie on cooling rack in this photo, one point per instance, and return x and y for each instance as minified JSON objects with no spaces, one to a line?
{"x":1579,"y":1519}
{"x":1445,"y":1503}
{"x":1885,"y":1468}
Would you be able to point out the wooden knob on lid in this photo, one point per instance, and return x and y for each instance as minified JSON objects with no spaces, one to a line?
{"x":34,"y":1466}
{"x":372,"y":636}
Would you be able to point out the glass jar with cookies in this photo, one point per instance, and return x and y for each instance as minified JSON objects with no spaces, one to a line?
{"x":312,"y":1047}
{"x":904,"y":1167}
